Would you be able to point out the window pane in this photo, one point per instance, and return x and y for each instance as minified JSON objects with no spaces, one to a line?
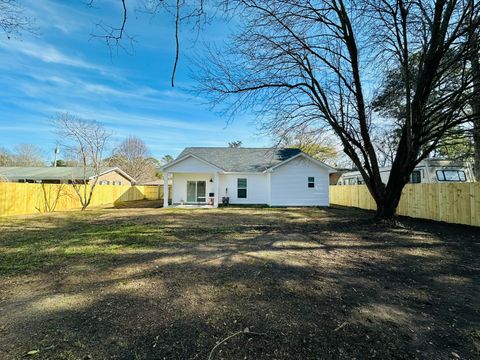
{"x":242,"y":188}
{"x":451,"y":175}
{"x":201,"y":190}
{"x":311,"y":182}
{"x":415,"y":178}
{"x":242,"y":193}
{"x":462,"y":176}
{"x":440,"y":175}
{"x":241,"y":183}
{"x":191,"y":191}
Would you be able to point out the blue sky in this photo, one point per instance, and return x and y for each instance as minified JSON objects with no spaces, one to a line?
{"x":61,"y":68}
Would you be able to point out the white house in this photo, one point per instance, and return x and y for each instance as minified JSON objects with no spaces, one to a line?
{"x":276,"y":177}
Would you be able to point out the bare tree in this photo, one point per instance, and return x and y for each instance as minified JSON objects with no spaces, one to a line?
{"x":133,"y":157}
{"x":50,"y":196}
{"x":27,"y":155}
{"x":86,"y":140}
{"x":318,"y":63}
{"x":6,"y":158}
{"x":12,"y":18}
{"x":190,"y":13}
{"x":386,"y":144}
{"x":314,"y":142}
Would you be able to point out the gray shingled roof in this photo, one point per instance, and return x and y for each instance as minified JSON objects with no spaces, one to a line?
{"x":241,"y":159}
{"x":48,"y":173}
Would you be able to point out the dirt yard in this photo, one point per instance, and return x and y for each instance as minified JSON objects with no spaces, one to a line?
{"x":147,"y":283}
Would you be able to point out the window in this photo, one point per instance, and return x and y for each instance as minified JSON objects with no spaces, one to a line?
{"x":416,"y":177}
{"x":451,"y":175}
{"x":359,"y":181}
{"x":196,"y":191}
{"x":115,"y":182}
{"x":311,"y":182}
{"x":242,"y":188}
{"x":104,"y":182}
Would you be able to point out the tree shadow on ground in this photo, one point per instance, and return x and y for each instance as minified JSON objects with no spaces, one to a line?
{"x":319,"y":283}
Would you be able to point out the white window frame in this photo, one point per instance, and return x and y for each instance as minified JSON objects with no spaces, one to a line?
{"x":242,"y":188}
{"x":312,"y":182}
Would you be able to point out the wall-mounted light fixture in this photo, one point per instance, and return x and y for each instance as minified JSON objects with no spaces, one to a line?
{"x":211,"y":180}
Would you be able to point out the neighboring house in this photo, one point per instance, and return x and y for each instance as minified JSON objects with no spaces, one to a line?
{"x":427,"y":171}
{"x":335,"y":176}
{"x":65,"y":175}
{"x":276,"y":177}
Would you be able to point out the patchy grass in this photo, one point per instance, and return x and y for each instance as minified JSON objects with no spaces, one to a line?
{"x":148,"y":283}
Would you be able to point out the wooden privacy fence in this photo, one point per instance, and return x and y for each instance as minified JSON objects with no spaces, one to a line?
{"x":457,"y":203}
{"x":19,"y":199}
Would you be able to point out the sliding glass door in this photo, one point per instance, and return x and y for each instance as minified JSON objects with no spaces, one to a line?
{"x":196,"y":191}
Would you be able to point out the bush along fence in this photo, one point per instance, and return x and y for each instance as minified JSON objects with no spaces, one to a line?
{"x":20,"y":199}
{"x":457,"y":203}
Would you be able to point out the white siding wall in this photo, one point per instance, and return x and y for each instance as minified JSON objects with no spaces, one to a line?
{"x":179,"y":185}
{"x":257,"y":188}
{"x":289,"y":184}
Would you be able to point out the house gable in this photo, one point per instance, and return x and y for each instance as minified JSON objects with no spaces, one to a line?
{"x":190,"y":164}
{"x":290,"y":183}
{"x":305,"y":157}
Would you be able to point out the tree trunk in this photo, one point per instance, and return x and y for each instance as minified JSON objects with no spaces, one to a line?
{"x":476,"y":145}
{"x":474,"y":58}
{"x":387,"y":205}
{"x":399,"y":177}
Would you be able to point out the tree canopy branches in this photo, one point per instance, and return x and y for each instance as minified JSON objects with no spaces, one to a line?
{"x":12,"y":18}
{"x":318,"y":63}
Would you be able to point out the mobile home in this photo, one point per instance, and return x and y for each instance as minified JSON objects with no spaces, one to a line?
{"x":427,"y":171}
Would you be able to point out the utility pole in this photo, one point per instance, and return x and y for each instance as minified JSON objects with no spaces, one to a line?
{"x":57,"y":151}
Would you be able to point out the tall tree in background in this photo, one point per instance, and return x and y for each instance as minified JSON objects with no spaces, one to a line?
{"x":235,"y":144}
{"x":27,"y":155}
{"x":167,"y":158}
{"x":85,"y":141}
{"x":23,"y":155}
{"x":314,"y":142}
{"x":309,"y":63}
{"x":6,"y":158}
{"x":133,"y":157}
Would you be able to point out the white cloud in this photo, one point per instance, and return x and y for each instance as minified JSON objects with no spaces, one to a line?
{"x":49,"y":54}
{"x":56,"y":15}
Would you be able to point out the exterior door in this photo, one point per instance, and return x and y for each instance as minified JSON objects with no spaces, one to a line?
{"x":196,"y":191}
{"x":201,"y":191}
{"x":191,"y":191}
